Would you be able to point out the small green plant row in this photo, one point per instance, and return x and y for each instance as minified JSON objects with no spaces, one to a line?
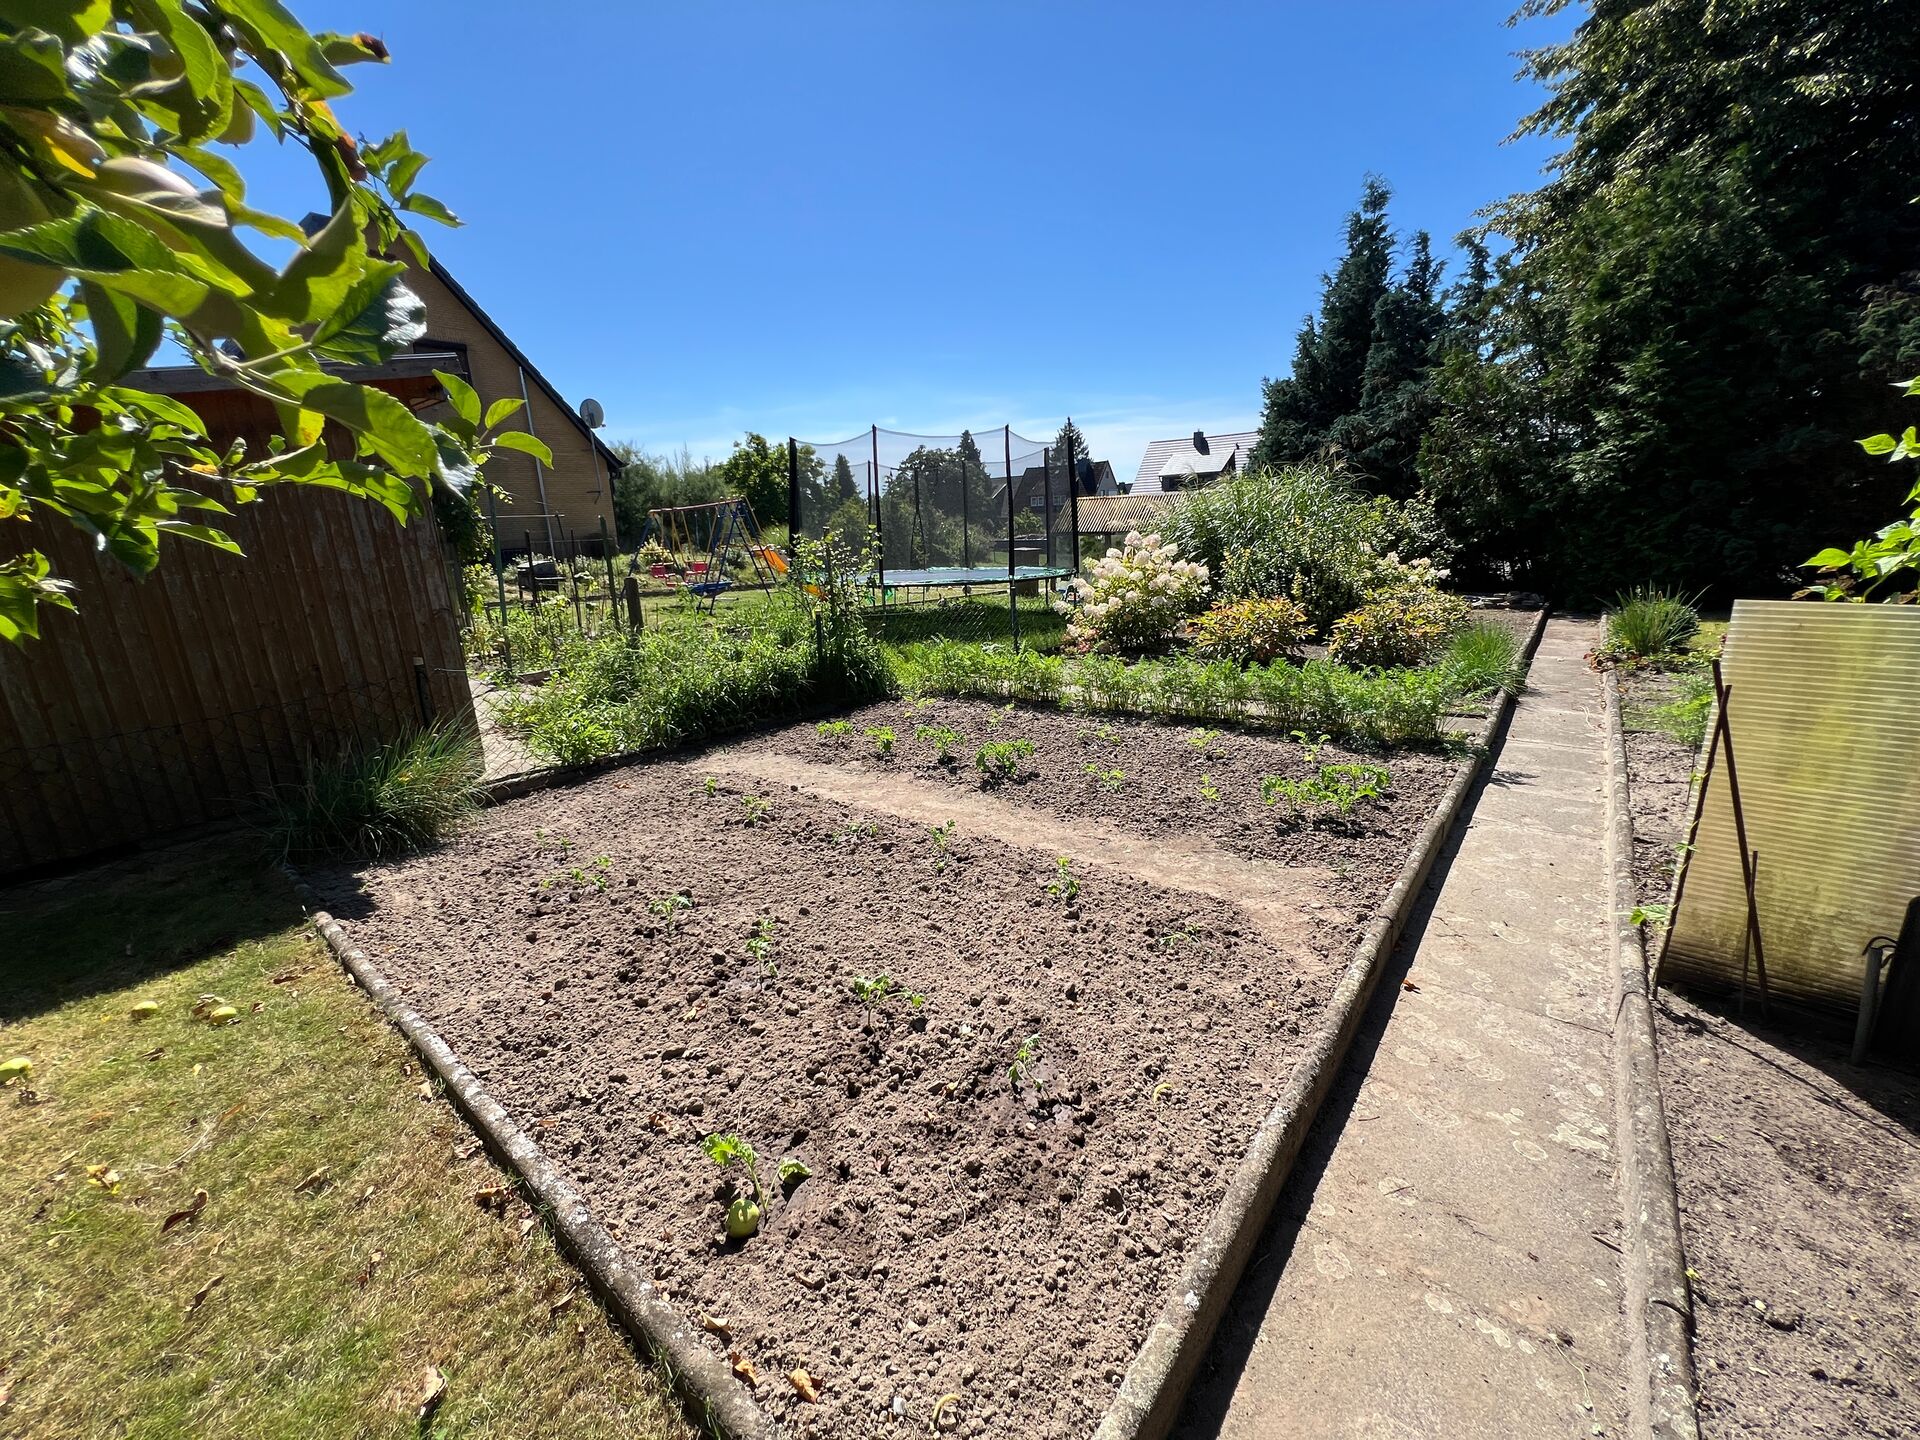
{"x":944,"y":738}
{"x":1333,"y":787}
{"x":1387,"y":707}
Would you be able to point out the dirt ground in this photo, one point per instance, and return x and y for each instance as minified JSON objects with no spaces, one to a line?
{"x":1011,"y":1149}
{"x":1799,"y":1182}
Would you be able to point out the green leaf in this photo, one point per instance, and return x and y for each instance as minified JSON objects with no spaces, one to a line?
{"x":160,"y":407}
{"x":32,"y":68}
{"x":205,"y":534}
{"x":431,"y":208}
{"x":318,"y":280}
{"x":466,"y":404}
{"x":505,"y":408}
{"x":224,"y":174}
{"x":199,"y":102}
{"x":523,"y":442}
{"x":125,"y":334}
{"x":1828,"y":559}
{"x":26,"y":585}
{"x":378,"y":318}
{"x":269,"y":26}
{"x":117,"y":253}
{"x":349,"y":49}
{"x":1878,"y":444}
{"x":72,"y":20}
{"x":389,"y":429}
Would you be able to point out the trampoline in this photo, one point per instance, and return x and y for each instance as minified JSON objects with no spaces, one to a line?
{"x":945,"y":576}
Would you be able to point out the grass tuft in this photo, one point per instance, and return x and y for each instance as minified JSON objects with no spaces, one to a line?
{"x":1483,"y":657}
{"x":378,"y":801}
{"x":1647,"y":622}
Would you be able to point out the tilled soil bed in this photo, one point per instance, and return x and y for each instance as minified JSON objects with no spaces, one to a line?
{"x":1799,"y":1185}
{"x":1012,"y":1142}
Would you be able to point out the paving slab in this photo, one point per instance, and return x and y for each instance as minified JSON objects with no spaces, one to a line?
{"x":1444,"y":1262}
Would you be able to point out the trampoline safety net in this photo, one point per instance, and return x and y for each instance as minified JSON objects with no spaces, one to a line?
{"x":981,"y":508}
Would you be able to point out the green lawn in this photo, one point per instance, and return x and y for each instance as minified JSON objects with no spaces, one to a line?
{"x":339,"y":1252}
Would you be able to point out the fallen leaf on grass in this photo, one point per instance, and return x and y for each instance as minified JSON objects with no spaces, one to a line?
{"x":527,"y":1224}
{"x":433,"y":1389}
{"x":200,"y":1295}
{"x":105,"y":1176}
{"x":743,"y":1367}
{"x":365,"y":1277}
{"x":559,"y":1307}
{"x":365,"y":1196}
{"x":714,"y":1325}
{"x":6,"y":1393}
{"x":314,"y":1181}
{"x":494,"y":1198}
{"x":182,"y":1217}
{"x":284,"y":976}
{"x":426,"y":1090}
{"x":803,"y":1382}
{"x":155,"y":1053}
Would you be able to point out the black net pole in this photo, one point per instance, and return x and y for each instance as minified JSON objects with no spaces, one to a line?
{"x":1073,"y":502}
{"x":793,"y":490}
{"x":880,"y":530}
{"x":500,"y":580}
{"x":1013,"y":599}
{"x":966,"y":483}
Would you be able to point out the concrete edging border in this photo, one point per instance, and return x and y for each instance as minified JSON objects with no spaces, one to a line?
{"x":697,"y":1373}
{"x":1155,"y":1385}
{"x":1660,"y":1345}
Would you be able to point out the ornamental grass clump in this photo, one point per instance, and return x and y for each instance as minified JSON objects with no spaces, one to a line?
{"x":381,"y":800}
{"x":1136,"y":598}
{"x":1647,"y":622}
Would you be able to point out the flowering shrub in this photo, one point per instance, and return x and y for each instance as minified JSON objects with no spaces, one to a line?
{"x":1404,"y":625}
{"x":1251,"y":630}
{"x":1136,"y":598}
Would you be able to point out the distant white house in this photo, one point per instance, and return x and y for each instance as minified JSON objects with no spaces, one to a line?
{"x":1192,"y":461}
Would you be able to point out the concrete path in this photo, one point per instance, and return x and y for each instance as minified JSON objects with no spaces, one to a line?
{"x":1442,"y":1263}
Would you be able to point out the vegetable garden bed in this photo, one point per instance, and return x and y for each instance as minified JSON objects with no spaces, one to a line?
{"x":1018,"y":1085}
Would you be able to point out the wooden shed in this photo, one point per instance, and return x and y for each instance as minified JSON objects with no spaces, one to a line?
{"x":190,"y":695}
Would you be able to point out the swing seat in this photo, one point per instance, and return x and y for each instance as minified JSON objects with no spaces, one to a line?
{"x":663,"y":572}
{"x":708,"y":589}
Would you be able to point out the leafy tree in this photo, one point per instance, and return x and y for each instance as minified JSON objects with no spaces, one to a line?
{"x":757,"y":470}
{"x":1330,"y":353}
{"x":842,"y":487}
{"x":1381,"y":439}
{"x":109,"y":246}
{"x":652,"y":482}
{"x":1889,"y":562}
{"x":1694,"y":312}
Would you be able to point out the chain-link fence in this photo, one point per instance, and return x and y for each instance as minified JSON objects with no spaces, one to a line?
{"x":959,"y":535}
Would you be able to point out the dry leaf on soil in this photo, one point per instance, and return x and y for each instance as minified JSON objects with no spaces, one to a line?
{"x":743,"y":1367}
{"x":190,"y":1213}
{"x":714,"y":1325}
{"x":803,"y":1382}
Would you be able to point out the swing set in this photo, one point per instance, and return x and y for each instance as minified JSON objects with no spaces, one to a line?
{"x":705,"y":540}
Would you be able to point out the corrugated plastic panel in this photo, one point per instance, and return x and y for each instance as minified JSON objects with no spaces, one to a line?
{"x":1825,"y":711}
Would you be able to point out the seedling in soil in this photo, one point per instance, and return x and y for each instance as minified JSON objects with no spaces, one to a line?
{"x":1106,"y":733}
{"x":1002,"y":713}
{"x":757,"y":808}
{"x":1000,"y":759}
{"x":856,"y":833}
{"x":791,"y":1172}
{"x":542,"y":840}
{"x":883,"y":739}
{"x":1209,"y":791}
{"x":711,"y":786}
{"x":668,"y":907}
{"x":1336,"y":787}
{"x":1648,"y":915}
{"x":944,"y":738}
{"x":760,"y":945}
{"x":743,"y":1215}
{"x":1111,"y":780}
{"x":881,"y":988}
{"x":1024,"y":1059}
{"x":941,"y":834}
{"x":1309,"y":745}
{"x":834,"y":729}
{"x":1203,"y":739}
{"x":595,"y":879}
{"x":1064,"y":885}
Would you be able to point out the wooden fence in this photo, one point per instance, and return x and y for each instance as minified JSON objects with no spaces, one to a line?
{"x":191,"y":695}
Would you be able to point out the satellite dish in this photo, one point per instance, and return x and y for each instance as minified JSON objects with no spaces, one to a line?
{"x":591,"y":412}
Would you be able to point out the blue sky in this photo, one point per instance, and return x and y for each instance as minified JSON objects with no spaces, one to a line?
{"x":802,"y":219}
